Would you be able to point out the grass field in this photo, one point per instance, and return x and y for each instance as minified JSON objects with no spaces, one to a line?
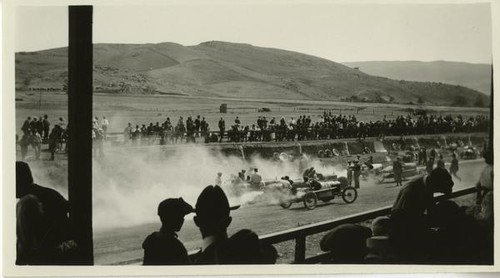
{"x":144,"y":109}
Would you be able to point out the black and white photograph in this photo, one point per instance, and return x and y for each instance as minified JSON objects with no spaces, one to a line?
{"x":307,"y":134}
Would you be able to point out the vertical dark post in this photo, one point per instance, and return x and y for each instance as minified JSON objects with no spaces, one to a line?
{"x":300,"y":249}
{"x":80,"y":128}
{"x":490,"y":143}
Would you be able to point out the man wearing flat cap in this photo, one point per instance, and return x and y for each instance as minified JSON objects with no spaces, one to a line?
{"x":213,"y":218}
{"x":163,"y":247}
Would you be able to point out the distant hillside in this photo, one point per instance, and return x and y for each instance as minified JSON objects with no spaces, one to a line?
{"x":221,"y":69}
{"x":474,"y":76}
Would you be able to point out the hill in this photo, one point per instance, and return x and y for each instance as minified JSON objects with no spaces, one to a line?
{"x":474,"y":76}
{"x":221,"y":69}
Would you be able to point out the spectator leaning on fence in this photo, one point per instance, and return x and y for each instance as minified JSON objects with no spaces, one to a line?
{"x":408,"y":214}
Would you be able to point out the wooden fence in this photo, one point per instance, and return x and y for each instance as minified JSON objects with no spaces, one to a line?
{"x":300,"y":234}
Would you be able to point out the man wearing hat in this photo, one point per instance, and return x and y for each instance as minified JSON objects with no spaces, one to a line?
{"x":213,"y":218}
{"x":163,"y":247}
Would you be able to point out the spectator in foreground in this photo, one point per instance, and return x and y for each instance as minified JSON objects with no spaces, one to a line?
{"x":484,"y":186}
{"x":380,"y":249}
{"x":408,"y":215}
{"x":457,"y":238}
{"x":42,"y":211}
{"x":213,"y":218}
{"x":163,"y":247}
{"x":346,"y":243}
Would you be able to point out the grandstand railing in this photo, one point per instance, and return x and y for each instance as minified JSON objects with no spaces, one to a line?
{"x":300,"y":234}
{"x":120,"y":135}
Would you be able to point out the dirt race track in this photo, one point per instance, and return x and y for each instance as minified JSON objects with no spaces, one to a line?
{"x":123,"y":245}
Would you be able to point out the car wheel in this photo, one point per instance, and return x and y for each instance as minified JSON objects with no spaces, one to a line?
{"x":310,"y":200}
{"x":286,"y":198}
{"x":380,"y":179}
{"x":349,"y":194}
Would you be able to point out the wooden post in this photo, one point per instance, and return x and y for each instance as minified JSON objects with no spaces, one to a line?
{"x":80,"y":129}
{"x":300,"y":249}
{"x":490,"y":141}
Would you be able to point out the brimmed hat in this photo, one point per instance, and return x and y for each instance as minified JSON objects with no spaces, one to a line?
{"x":212,"y":204}
{"x":244,"y":247}
{"x":174,"y":206}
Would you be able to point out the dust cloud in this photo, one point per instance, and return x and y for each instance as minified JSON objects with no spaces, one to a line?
{"x":129,"y":183}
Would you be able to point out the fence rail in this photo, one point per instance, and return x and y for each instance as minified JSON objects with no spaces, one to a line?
{"x":300,"y":234}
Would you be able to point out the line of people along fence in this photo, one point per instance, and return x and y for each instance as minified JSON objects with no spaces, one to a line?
{"x":328,"y":126}
{"x":35,"y":131}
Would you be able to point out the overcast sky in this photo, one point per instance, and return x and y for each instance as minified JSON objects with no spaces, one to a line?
{"x":337,"y":32}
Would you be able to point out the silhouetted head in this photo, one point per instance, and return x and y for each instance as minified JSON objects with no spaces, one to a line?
{"x":172,"y":211}
{"x":439,"y":180}
{"x":488,"y":156}
{"x":24,"y":179}
{"x":244,"y":247}
{"x":212,"y":211}
{"x":381,"y":226}
{"x":347,"y":243}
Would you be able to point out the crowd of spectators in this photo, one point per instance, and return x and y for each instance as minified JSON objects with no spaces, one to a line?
{"x":167,"y":132}
{"x":36,"y":131}
{"x":327,"y":126}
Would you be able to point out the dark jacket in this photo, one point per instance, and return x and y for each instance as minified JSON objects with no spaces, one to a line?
{"x":241,"y":248}
{"x":164,"y":249}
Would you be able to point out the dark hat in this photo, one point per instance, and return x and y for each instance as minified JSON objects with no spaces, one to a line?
{"x":244,"y":247}
{"x":23,"y":173}
{"x":174,"y":206}
{"x":213,"y":203}
{"x":381,"y":226}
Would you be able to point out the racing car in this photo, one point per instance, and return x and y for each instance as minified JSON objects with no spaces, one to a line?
{"x":409,"y":170}
{"x":310,"y":191}
{"x":469,"y":152}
